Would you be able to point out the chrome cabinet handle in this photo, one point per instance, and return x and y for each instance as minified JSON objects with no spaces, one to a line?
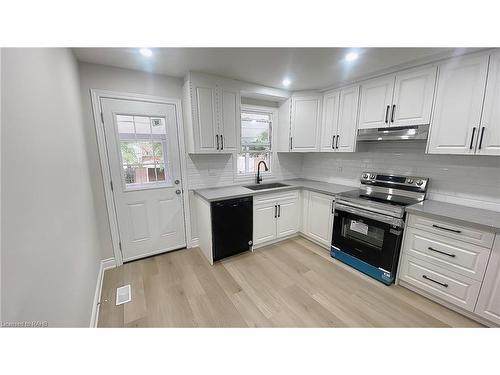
{"x":448,"y":229}
{"x":481,"y":138}
{"x":472,"y":138}
{"x":387,"y":114}
{"x":434,"y":281}
{"x":392,"y":114}
{"x":217,"y":137}
{"x":442,"y":252}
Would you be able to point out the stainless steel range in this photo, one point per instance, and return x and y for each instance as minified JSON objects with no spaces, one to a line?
{"x":369,"y":222}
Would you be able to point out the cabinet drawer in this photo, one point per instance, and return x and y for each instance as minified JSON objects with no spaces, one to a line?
{"x":459,"y":232}
{"x":274,"y":197}
{"x":457,"y":256}
{"x":449,"y":286}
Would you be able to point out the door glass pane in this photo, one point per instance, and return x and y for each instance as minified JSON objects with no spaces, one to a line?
{"x":143,"y":148}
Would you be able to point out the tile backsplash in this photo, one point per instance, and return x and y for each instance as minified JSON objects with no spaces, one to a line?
{"x":468,"y":180}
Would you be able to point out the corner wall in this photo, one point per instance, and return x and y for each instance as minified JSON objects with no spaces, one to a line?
{"x":50,"y":247}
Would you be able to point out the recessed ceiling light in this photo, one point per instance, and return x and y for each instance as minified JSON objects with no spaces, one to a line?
{"x":351,"y":56}
{"x":286,"y":82}
{"x":146,"y":52}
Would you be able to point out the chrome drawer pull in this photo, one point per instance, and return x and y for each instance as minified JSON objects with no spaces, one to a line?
{"x":448,"y":229}
{"x":442,"y":252}
{"x":434,"y":281}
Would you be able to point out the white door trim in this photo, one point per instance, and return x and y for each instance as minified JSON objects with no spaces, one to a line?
{"x":96,"y":96}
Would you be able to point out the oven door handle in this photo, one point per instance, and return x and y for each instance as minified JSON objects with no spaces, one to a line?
{"x":370,"y":215}
{"x":363,"y":208}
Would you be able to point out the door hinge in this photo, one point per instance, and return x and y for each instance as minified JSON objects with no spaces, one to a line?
{"x":102,"y":117}
{"x":111,"y":183}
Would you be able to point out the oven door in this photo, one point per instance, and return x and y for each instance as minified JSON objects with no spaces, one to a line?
{"x":371,"y":237}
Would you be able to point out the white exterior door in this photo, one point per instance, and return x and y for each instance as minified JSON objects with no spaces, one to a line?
{"x":330,"y":121}
{"x":306,"y":125}
{"x":143,"y":157}
{"x":264,"y":223}
{"x":413,"y":95}
{"x":376,"y":102}
{"x":489,"y":135}
{"x":457,"y":106}
{"x":230,"y":119}
{"x":348,"y":117}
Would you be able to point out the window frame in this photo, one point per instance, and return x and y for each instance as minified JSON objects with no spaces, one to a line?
{"x":270,"y":175}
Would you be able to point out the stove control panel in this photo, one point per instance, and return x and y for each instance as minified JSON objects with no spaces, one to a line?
{"x":389,"y":180}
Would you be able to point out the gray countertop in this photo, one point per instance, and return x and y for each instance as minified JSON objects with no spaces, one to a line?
{"x":483,"y":219}
{"x":229,"y":192}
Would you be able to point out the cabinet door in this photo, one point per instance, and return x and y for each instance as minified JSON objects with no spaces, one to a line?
{"x":457,"y":106}
{"x":306,"y":124}
{"x":205,"y":121}
{"x":264,"y":223}
{"x":413,"y":95}
{"x":330,"y":121}
{"x":376,"y":101}
{"x":288,"y":218}
{"x":229,"y":119}
{"x":319,"y":218}
{"x":348,"y":117}
{"x":490,"y":121}
{"x":488,"y":303}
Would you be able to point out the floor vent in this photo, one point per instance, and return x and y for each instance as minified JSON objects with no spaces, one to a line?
{"x":123,"y":295}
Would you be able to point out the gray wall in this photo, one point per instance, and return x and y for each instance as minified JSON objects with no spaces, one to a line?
{"x":50,"y":244}
{"x":93,"y":76}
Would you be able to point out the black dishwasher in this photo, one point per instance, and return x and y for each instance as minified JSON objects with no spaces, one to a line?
{"x":232,"y":227}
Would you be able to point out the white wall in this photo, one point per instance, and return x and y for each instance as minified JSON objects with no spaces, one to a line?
{"x":469,"y":180}
{"x":50,"y":246}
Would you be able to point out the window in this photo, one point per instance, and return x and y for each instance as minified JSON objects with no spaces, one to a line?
{"x":256,"y":133}
{"x":143,"y":145}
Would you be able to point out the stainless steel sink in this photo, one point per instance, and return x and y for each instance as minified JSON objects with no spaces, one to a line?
{"x":266,"y":186}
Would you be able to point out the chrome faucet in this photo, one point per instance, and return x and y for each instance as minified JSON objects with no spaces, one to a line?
{"x":259,"y":178}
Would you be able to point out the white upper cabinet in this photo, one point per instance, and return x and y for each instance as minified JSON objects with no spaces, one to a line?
{"x":305,"y":123}
{"x":456,"y":120}
{"x":330,"y":121}
{"x":230,"y":118}
{"x":413,"y":94}
{"x":489,"y":134}
{"x":376,"y":102}
{"x":212,"y":115}
{"x":348,"y":116}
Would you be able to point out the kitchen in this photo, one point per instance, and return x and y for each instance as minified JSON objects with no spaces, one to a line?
{"x":185,"y":179}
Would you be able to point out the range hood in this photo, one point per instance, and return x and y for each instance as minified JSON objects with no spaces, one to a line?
{"x":395,"y":133}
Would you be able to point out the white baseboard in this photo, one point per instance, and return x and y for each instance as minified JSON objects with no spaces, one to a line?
{"x":105,"y":265}
{"x":195,"y":242}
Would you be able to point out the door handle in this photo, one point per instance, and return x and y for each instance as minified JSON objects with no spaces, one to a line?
{"x":337,"y":144}
{"x":178,"y":192}
{"x":333,"y":142}
{"x":275,"y":211}
{"x":217,"y":137}
{"x":221,"y":142}
{"x":481,"y":138}
{"x":279,"y":210}
{"x":392,"y":114}
{"x":441,"y":252}
{"x":176,"y":182}
{"x":472,"y":138}
{"x":387,"y":114}
{"x":448,"y":229}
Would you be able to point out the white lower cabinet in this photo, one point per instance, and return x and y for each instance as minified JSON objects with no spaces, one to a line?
{"x":318,"y":217}
{"x":275,"y":215}
{"x":455,"y":263}
{"x":488,"y":304}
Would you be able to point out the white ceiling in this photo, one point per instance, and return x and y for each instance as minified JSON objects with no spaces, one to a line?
{"x":307,"y":68}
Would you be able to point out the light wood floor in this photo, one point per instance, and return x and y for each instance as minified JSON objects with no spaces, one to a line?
{"x":294,"y":283}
